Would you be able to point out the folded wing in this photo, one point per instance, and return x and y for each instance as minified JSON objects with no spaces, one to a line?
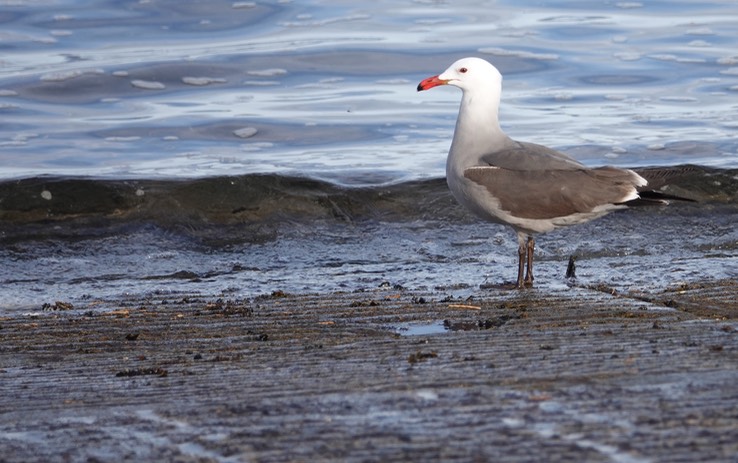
{"x":547,"y":194}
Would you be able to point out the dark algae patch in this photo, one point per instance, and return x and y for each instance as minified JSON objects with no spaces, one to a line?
{"x":252,"y":207}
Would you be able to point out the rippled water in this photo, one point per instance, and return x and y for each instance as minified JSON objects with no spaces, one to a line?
{"x":170,"y":88}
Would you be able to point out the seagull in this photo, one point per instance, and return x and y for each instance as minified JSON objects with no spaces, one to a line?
{"x":532,"y":188}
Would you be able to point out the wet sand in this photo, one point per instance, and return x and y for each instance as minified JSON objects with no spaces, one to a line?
{"x":578,"y":374}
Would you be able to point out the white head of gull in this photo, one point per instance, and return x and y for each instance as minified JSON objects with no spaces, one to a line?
{"x":530,"y":187}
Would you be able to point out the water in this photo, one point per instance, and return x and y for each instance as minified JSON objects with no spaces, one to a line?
{"x":171,"y":90}
{"x":158,"y":89}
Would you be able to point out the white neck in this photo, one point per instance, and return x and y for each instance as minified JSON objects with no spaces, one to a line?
{"x":477,"y":130}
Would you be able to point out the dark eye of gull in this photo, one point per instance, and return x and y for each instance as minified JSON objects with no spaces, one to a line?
{"x":463,"y":70}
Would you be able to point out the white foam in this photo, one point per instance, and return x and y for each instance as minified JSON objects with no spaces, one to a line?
{"x":67,"y":75}
{"x":628,"y":56}
{"x":260,"y":83}
{"x":122,"y":139}
{"x":267,"y":72}
{"x":699,"y":43}
{"x":246,"y":132}
{"x":700,"y":31}
{"x":201,"y":81}
{"x":243,"y":5}
{"x":148,"y":84}
{"x":519,"y":54}
{"x":676,"y":59}
{"x":325,"y":22}
{"x":729,"y":60}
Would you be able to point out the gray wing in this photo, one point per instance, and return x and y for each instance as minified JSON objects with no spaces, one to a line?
{"x":551,"y":193}
{"x":519,"y":155}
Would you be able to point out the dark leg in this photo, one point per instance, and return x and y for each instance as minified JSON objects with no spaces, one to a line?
{"x":571,"y":269}
{"x":530,"y":247}
{"x":522,"y":252}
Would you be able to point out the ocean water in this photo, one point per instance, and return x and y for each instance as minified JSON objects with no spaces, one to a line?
{"x":152,"y":89}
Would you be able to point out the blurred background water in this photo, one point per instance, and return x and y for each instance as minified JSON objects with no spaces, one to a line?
{"x":165,"y":88}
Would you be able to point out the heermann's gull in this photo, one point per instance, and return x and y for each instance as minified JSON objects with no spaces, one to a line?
{"x":530,"y":187}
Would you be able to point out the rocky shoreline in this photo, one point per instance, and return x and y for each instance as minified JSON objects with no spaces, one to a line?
{"x":391,"y":374}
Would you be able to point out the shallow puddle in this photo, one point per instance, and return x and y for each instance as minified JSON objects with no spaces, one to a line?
{"x":415,"y":329}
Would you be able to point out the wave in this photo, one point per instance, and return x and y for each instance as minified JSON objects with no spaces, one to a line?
{"x":253,"y":207}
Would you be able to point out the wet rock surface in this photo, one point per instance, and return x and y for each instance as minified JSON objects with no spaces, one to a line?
{"x":575,"y":374}
{"x":276,"y":319}
{"x":82,"y":203}
{"x":70,"y":240}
